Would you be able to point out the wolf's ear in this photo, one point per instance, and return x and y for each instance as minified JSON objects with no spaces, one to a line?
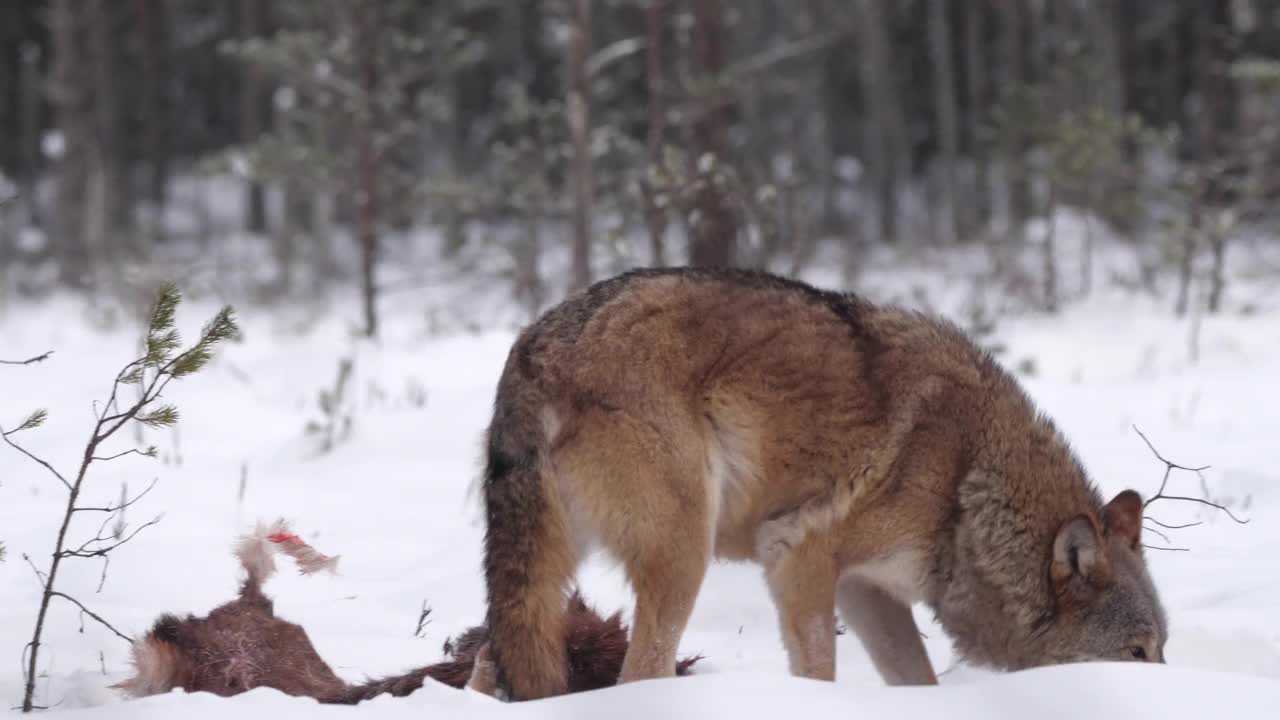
{"x":1078,"y":558}
{"x":1123,"y":517}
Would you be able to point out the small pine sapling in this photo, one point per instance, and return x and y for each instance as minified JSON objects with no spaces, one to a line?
{"x":335,"y":420}
{"x":161,"y":362}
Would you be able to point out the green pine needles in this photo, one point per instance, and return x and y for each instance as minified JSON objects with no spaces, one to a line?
{"x":163,"y":361}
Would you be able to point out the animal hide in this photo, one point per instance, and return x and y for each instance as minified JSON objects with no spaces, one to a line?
{"x":242,"y":645}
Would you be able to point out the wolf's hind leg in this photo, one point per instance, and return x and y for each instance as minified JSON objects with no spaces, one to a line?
{"x":642,"y":487}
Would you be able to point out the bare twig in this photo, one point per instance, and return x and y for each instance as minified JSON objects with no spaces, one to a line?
{"x":1162,"y":458}
{"x":92,"y":614}
{"x":786,"y":51}
{"x":24,"y":451}
{"x":1157,"y":532}
{"x":423,"y":620}
{"x":1202,"y":501}
{"x":1160,"y":494}
{"x":134,"y":451}
{"x":28,"y":361}
{"x":84,"y":552}
{"x":25,"y":650}
{"x":612,"y":53}
{"x":39,"y":575}
{"x":1167,"y":549}
{"x":117,"y":508}
{"x":102,"y":579}
{"x":1172,"y":527}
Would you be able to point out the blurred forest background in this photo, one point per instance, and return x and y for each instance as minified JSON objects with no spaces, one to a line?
{"x":280,"y":150}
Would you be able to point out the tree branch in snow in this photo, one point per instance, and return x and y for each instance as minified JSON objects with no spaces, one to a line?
{"x":28,"y":361}
{"x":1160,"y":494}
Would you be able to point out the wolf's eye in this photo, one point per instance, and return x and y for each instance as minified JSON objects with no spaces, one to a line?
{"x":1138,"y":652}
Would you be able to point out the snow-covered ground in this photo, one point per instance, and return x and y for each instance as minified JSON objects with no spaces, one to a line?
{"x":394,"y":500}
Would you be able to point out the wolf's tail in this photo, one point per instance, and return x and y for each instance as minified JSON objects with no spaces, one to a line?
{"x":529,"y":557}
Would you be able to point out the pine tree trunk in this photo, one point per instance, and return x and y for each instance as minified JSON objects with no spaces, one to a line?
{"x":578,"y":113}
{"x":297,"y":222}
{"x":713,"y":236}
{"x":367,"y":167}
{"x":1101,"y":22}
{"x":153,"y":17}
{"x":976,"y":75}
{"x":252,"y":106}
{"x":74,"y":121}
{"x":1125,"y":17}
{"x":109,"y":141}
{"x":1217,"y":271}
{"x":1216,"y":128}
{"x":885,"y":145}
{"x":1172,"y":54}
{"x":1012,"y":62}
{"x":1050,"y":252}
{"x":1186,"y":263}
{"x":655,"y":82}
{"x":29,"y":80}
{"x":944,"y":97}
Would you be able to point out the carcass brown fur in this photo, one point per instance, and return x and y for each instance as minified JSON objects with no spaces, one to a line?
{"x":242,"y":645}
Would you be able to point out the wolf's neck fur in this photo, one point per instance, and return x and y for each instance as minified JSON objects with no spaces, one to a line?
{"x":1023,"y":484}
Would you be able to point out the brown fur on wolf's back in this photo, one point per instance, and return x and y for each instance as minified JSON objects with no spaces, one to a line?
{"x":676,"y":415}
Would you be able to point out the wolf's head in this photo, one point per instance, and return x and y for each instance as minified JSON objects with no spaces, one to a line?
{"x":1105,"y":605}
{"x":1021,"y":594}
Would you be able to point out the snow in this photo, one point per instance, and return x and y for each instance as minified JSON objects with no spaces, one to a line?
{"x":1112,"y":692}
{"x":396,"y":500}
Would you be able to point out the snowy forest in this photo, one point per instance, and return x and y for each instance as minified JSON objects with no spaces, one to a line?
{"x":275,"y":150}
{"x":262,"y":261}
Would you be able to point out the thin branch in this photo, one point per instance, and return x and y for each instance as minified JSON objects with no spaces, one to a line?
{"x":134,"y":451}
{"x":613,"y":52}
{"x":121,"y":506}
{"x":44,"y":579}
{"x":149,"y":396}
{"x":112,"y":402}
{"x":1162,"y":459}
{"x":1166,"y":549}
{"x":786,"y":51}
{"x":84,"y":552}
{"x":1157,"y":532}
{"x":102,"y":580}
{"x":26,"y":649}
{"x":46,"y":465}
{"x":1202,"y":501}
{"x":725,"y":82}
{"x":90,"y":613}
{"x":28,"y":361}
{"x":1169,"y":467}
{"x":1172,"y":527}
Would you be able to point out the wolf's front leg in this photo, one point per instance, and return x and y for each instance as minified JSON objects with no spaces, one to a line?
{"x":887,"y":631}
{"x":802,"y":581}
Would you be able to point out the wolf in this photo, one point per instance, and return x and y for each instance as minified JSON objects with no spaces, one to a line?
{"x":867,"y":457}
